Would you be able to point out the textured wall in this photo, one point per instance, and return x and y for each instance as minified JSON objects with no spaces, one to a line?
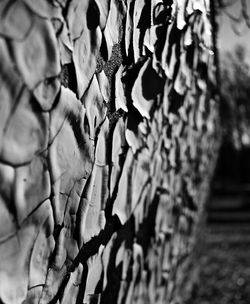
{"x":107,"y":146}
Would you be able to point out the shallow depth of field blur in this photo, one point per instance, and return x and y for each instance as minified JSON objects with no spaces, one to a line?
{"x":224,"y":248}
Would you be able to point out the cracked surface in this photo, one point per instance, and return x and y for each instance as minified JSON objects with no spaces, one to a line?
{"x":108,"y":138}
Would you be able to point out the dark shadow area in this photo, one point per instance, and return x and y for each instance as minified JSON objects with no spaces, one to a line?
{"x":224,"y":247}
{"x":230,"y":200}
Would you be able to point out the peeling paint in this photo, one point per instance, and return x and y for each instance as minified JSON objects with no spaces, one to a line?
{"x":108,"y":139}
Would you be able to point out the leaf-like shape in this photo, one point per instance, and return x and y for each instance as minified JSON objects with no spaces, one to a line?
{"x":104,"y":8}
{"x":146,"y":87}
{"x":25,"y":132}
{"x":16,"y":20}
{"x":96,"y":109}
{"x":37,"y":56}
{"x":46,"y":92}
{"x":85,"y":51}
{"x":70,"y":153}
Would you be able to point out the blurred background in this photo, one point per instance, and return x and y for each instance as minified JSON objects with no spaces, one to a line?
{"x":225,"y":243}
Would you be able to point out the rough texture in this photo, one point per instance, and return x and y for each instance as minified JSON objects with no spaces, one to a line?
{"x":108,"y":141}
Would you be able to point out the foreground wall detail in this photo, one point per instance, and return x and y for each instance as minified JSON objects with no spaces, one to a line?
{"x":107,"y":146}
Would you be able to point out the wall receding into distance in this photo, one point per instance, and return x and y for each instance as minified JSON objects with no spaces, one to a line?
{"x":108,"y":138}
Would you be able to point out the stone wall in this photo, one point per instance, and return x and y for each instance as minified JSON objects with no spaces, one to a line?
{"x":108,"y":129}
